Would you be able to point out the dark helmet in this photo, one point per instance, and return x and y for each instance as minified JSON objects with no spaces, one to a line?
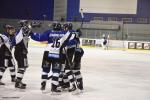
{"x":7,"y":26}
{"x":9,"y":29}
{"x":56,"y":26}
{"x":65,"y":25}
{"x":23,"y":23}
{"x":53,"y":25}
{"x":68,"y":26}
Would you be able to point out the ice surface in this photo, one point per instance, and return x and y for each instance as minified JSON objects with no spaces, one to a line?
{"x":108,"y":75}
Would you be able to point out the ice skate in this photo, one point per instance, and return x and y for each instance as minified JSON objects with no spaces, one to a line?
{"x":1,"y":83}
{"x":20,"y":85}
{"x":56,"y":92}
{"x":43,"y":85}
{"x":13,"y":80}
{"x":73,"y":88}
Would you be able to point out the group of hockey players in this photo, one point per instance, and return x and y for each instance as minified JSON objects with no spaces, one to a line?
{"x":62,"y":55}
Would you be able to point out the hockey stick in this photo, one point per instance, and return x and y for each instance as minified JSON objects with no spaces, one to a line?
{"x":67,"y":58}
{"x":49,"y":77}
{"x":82,"y":16}
{"x":82,"y":22}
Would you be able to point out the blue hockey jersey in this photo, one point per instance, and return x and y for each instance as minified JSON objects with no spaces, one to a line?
{"x":50,"y":36}
{"x":56,"y":41}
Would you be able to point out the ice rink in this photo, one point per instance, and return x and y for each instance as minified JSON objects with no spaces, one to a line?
{"x":108,"y":75}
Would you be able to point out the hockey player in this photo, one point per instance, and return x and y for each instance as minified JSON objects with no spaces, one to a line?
{"x":67,"y":79}
{"x":57,"y":40}
{"x":21,"y":50}
{"x":72,"y":69}
{"x":51,"y":36}
{"x":57,"y":53}
{"x":6,"y":59}
{"x":77,"y":62}
{"x":105,"y":42}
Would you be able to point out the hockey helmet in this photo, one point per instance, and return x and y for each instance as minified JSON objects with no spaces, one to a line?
{"x":7,"y":26}
{"x":67,"y":26}
{"x":56,"y":26}
{"x":9,"y":29}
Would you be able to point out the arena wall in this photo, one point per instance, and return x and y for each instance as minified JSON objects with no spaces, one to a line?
{"x":142,"y":15}
{"x":27,"y":9}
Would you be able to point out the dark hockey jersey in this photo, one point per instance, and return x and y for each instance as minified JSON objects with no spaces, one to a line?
{"x":5,"y":46}
{"x":21,"y":42}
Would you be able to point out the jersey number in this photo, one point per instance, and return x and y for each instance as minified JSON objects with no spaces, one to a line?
{"x":56,"y":43}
